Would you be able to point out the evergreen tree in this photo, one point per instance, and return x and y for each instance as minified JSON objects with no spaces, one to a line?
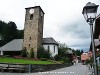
{"x":20,"y":34}
{"x":8,"y":32}
{"x":12,"y":30}
{"x":82,"y":51}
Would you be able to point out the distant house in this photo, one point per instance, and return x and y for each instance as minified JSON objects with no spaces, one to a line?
{"x":15,"y":46}
{"x":86,"y":56}
{"x":70,"y":54}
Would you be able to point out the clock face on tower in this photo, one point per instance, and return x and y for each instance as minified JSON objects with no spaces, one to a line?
{"x":31,"y":11}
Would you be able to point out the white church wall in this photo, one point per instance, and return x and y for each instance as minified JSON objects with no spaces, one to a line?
{"x":51,"y":49}
{"x":1,"y":52}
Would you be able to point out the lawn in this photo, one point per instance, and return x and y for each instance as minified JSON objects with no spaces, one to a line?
{"x":23,"y":61}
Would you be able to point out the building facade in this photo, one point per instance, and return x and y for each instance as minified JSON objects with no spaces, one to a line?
{"x":96,"y":33}
{"x":97,"y":28}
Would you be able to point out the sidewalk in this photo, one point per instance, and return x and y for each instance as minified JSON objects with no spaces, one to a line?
{"x":91,"y":71}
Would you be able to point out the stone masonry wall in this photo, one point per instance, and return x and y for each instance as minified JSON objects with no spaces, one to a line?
{"x":33,"y":30}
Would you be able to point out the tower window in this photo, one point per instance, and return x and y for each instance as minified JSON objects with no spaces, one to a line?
{"x":29,"y":45}
{"x":30,"y":38}
{"x":31,"y":16}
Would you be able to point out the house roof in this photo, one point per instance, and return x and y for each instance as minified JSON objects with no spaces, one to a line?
{"x":16,"y":44}
{"x":69,"y":52}
{"x":49,"y":41}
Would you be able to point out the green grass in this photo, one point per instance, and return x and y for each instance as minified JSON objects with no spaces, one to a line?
{"x":23,"y":61}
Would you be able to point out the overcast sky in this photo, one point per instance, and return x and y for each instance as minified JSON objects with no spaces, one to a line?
{"x":63,"y":19}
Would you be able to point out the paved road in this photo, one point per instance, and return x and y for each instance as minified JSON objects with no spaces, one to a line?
{"x":77,"y":69}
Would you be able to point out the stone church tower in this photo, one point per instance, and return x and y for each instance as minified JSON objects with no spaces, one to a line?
{"x":33,"y":29}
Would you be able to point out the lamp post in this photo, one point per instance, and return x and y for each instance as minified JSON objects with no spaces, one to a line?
{"x":99,"y":37}
{"x":89,"y":12}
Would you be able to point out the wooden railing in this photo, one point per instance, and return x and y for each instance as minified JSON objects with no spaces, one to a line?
{"x":30,"y":68}
{"x":13,"y":67}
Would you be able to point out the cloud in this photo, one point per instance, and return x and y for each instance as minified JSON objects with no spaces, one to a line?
{"x":75,"y":35}
{"x":78,"y":30}
{"x":63,"y":19}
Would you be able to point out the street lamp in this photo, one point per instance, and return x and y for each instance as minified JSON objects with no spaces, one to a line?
{"x":89,"y":12}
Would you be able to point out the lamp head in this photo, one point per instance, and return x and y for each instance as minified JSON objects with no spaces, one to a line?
{"x":89,"y":12}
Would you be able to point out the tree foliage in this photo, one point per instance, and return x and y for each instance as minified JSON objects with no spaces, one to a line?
{"x":62,"y":53}
{"x":31,"y":55}
{"x":8,"y":32}
{"x":42,"y":53}
{"x":24,"y":52}
{"x":57,"y":57}
{"x":20,"y":34}
{"x":65,"y":59}
{"x":78,"y":52}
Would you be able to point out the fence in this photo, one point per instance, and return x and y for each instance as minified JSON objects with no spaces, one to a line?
{"x":29,"y":68}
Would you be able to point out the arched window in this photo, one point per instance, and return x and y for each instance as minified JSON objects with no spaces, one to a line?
{"x":30,"y":38}
{"x":31,"y":16}
{"x":54,"y":49}
{"x":48,"y":48}
{"x":29,"y":45}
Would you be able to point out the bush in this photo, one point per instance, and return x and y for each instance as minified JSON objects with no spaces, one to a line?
{"x":31,"y":54}
{"x":61,"y":62}
{"x":43,"y":59}
{"x":42,"y":53}
{"x":57,"y":57}
{"x":65,"y":59}
{"x":24,"y":52}
{"x":61,"y":59}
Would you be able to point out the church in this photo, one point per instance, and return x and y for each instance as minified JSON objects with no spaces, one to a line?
{"x":33,"y":35}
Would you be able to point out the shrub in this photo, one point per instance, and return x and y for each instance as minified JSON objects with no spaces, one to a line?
{"x":24,"y":52}
{"x":31,"y":54}
{"x":65,"y":59}
{"x":61,"y":62}
{"x":61,"y":59}
{"x":57,"y":57}
{"x":42,"y":53}
{"x":43,"y":59}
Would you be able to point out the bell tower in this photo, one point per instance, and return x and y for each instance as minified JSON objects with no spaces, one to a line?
{"x":33,"y":29}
